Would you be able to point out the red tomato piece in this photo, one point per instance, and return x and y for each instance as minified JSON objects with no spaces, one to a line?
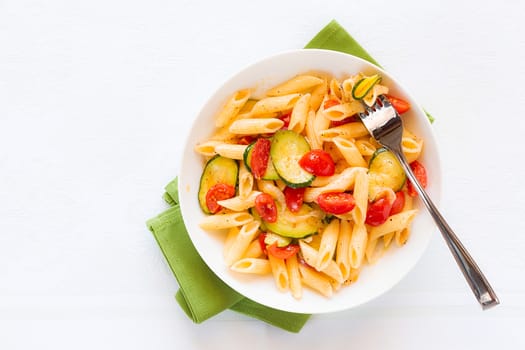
{"x":266,"y":208}
{"x":400,"y":105}
{"x":421,"y":175}
{"x":217,"y":193}
{"x":330,"y":103}
{"x":262,"y":237}
{"x":283,"y":252}
{"x":260,"y":157}
{"x":336,"y":202}
{"x":318,"y":162}
{"x":294,"y":198}
{"x":245,"y":140}
{"x":399,"y":203}
{"x":286,"y":119}
{"x":347,"y":120}
{"x":378,"y":212}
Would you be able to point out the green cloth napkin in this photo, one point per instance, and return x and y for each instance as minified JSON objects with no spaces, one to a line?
{"x":202,"y":294}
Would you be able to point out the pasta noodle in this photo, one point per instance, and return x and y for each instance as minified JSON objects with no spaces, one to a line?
{"x":274,"y":104}
{"x":337,"y":244}
{"x":297,"y":84}
{"x":241,"y":242}
{"x":232,"y":107}
{"x":252,"y":265}
{"x":256,"y":126}
{"x":300,"y":114}
{"x":279,"y":272}
{"x":294,"y":276}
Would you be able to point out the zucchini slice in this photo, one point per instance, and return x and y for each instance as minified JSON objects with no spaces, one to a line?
{"x":363,"y":86}
{"x":217,"y":170}
{"x":384,"y":170}
{"x":281,"y":241}
{"x":286,"y":150}
{"x":293,"y":225}
{"x":269,"y":174}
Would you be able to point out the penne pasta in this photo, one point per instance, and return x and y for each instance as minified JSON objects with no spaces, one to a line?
{"x":320,"y":123}
{"x":365,"y":147}
{"x":300,"y":114}
{"x":301,"y":239}
{"x":256,"y":126}
{"x":230,"y":150}
{"x":310,"y":255}
{"x":394,"y":223}
{"x":371,"y":97}
{"x":317,"y":95}
{"x":348,"y":85}
{"x":315,"y":280}
{"x":411,"y":148}
{"x":350,"y":152}
{"x":328,"y":244}
{"x":311,"y":132}
{"x":253,"y":266}
{"x":343,"y":244}
{"x":254,"y":250}
{"x":294,"y":277}
{"x":336,"y":89}
{"x":348,"y":131}
{"x":232,"y":107}
{"x":337,"y":183}
{"x":297,"y":84}
{"x":360,"y":196}
{"x":245,"y":181}
{"x":343,"y":110}
{"x":239,"y":203}
{"x":274,"y":104}
{"x":358,"y":244}
{"x":279,"y":272}
{"x":241,"y":242}
{"x":221,"y":221}
{"x":207,"y":148}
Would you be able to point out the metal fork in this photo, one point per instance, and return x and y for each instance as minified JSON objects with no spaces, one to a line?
{"x":385,"y":125}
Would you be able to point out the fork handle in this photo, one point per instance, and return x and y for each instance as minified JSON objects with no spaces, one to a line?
{"x":475,"y":278}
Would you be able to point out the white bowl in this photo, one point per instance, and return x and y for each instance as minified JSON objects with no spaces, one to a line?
{"x":374,"y":280}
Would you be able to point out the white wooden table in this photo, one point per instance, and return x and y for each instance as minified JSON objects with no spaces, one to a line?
{"x":95,"y":97}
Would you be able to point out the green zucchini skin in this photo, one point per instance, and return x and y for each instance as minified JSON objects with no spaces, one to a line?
{"x":286,"y":150}
{"x":384,"y":170}
{"x":217,"y":170}
{"x":269,"y":174}
{"x":363,"y":86}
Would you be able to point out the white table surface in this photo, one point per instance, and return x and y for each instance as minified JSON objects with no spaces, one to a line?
{"x":96,"y":96}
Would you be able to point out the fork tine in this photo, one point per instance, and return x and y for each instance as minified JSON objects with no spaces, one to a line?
{"x":384,"y":100}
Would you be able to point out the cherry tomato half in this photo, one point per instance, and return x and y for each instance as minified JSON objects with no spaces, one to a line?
{"x":262,"y":244}
{"x":347,"y":120}
{"x":330,"y":103}
{"x":318,"y":162}
{"x":260,"y":157}
{"x":283,"y":252}
{"x":399,"y":203}
{"x":245,"y":140}
{"x":285,"y":117}
{"x":217,"y":193}
{"x":378,"y":212}
{"x":266,"y":208}
{"x":294,"y":198}
{"x":400,"y":105}
{"x":336,"y":202}
{"x":421,"y":175}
